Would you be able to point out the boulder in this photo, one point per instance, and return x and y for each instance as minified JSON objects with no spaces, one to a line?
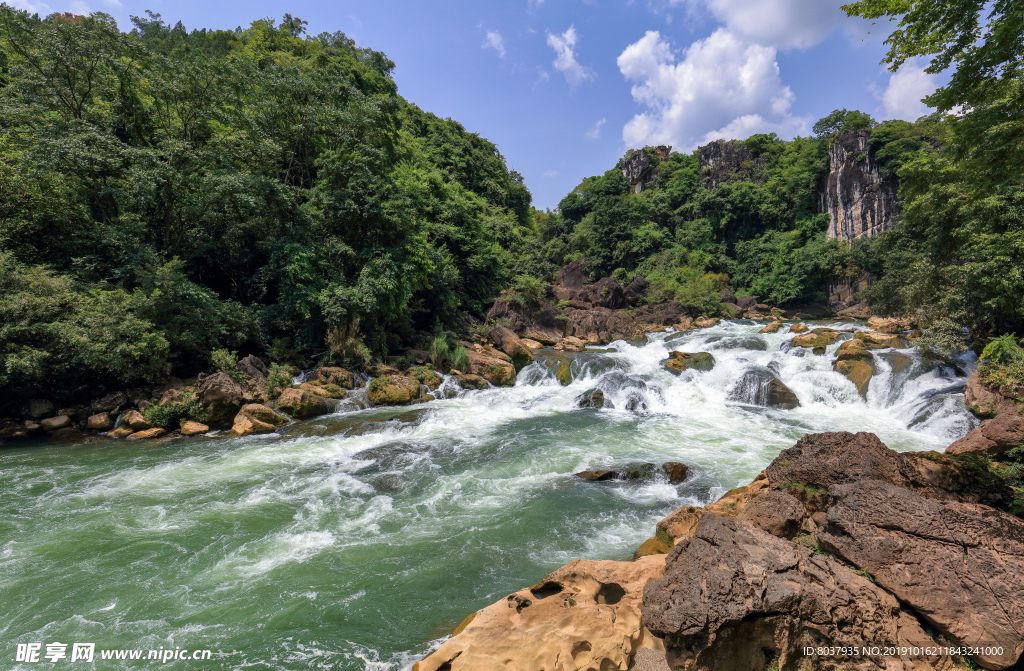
{"x":112,"y":403}
{"x":135,"y":419}
{"x":959,"y":566}
{"x":426,"y":376}
{"x":855,"y":362}
{"x":193,"y":428}
{"x":745,"y":302}
{"x":675,"y":471}
{"x":570,"y":344}
{"x":56,"y":423}
{"x":101,"y":421}
{"x":592,"y":398}
{"x":32,"y":427}
{"x":637,"y":290}
{"x":494,"y":369}
{"x":585,"y":615}
{"x":775,"y":511}
{"x":760,"y":387}
{"x":38,"y":409}
{"x":877,"y":340}
{"x":147,"y":434}
{"x":324,"y":389}
{"x":532,"y":344}
{"x":798,"y":328}
{"x":886,"y":324}
{"x":509,"y":343}
{"x":682,"y":361}
{"x":736,"y":597}
{"x":602,"y":325}
{"x":303,"y":405}
{"x":817,"y":340}
{"x":256,"y":418}
{"x":706,"y":322}
{"x":393,"y":390}
{"x":120,"y":432}
{"x":546,"y":335}
{"x":771,"y":328}
{"x":335,"y":375}
{"x":221,"y":398}
{"x":471,"y":381}
{"x":597,"y":476}
{"x":255,"y":372}
{"x":563,"y":371}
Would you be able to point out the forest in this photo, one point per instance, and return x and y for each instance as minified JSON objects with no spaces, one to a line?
{"x":168,"y":193}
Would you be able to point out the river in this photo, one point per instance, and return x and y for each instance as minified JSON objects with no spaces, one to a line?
{"x":358,"y":540}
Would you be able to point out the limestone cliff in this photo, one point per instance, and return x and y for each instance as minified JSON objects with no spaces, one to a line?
{"x":723,"y":161}
{"x":638,"y":169}
{"x":860,"y":201}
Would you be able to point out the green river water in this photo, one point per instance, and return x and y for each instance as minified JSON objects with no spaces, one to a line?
{"x":346,"y":544}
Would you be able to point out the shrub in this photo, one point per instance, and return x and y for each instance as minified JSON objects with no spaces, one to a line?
{"x":345,"y":345}
{"x":1002,"y":362}
{"x":943,"y":337}
{"x":278,"y":377}
{"x":526,"y":291}
{"x":460,"y":359}
{"x":226,"y":361}
{"x":176,"y":414}
{"x":439,"y":352}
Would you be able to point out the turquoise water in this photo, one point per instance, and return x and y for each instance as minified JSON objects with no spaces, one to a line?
{"x":348,"y":543}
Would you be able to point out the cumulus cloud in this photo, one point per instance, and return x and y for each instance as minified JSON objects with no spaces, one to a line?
{"x":40,"y":8}
{"x":551,"y":173}
{"x":565,"y":61}
{"x":595,"y":131}
{"x":784,"y":24}
{"x":901,"y":99}
{"x":722,"y":87}
{"x":495,"y":41}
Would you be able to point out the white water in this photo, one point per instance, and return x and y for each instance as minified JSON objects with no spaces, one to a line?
{"x":352,"y":545}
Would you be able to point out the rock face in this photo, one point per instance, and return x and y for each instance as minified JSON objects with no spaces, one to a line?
{"x":1002,"y":427}
{"x":723,"y":161}
{"x":585,"y":615}
{"x":736,"y":597}
{"x":221,"y":398}
{"x":638,"y":169}
{"x":859,"y":201}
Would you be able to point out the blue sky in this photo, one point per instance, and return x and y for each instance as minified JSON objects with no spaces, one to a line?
{"x":565,"y":87}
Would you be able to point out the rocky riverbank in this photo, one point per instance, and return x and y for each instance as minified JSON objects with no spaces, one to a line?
{"x":842,"y":554}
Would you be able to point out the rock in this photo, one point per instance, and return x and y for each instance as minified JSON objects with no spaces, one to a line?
{"x":256,"y":418}
{"x":509,"y":343}
{"x":221,"y":398}
{"x":193,"y":428}
{"x":979,"y":399}
{"x":563,"y":372}
{"x":56,"y":423}
{"x":706,"y":322}
{"x":959,"y":566}
{"x":775,"y":511}
{"x":681,"y":361}
{"x":636,"y":291}
{"x":498,"y":372}
{"x":675,"y":471}
{"x":101,"y":421}
{"x":817,"y":340}
{"x":597,"y":476}
{"x":32,"y":427}
{"x":120,"y":432}
{"x":324,"y":389}
{"x":136,"y":420}
{"x":393,"y":390}
{"x":570,"y":344}
{"x":532,"y":344}
{"x":303,"y":405}
{"x":425,"y":376}
{"x":471,"y":381}
{"x":798,"y":328}
{"x":335,"y":375}
{"x":255,"y":372}
{"x":171,"y":397}
{"x":876,"y":340}
{"x":859,"y":198}
{"x":546,"y":335}
{"x":653,"y":546}
{"x":112,"y":403}
{"x":38,"y":409}
{"x":585,"y":615}
{"x":147,"y":434}
{"x":735,"y":597}
{"x":886,"y":324}
{"x":592,"y":398}
{"x":856,"y":363}
{"x":760,"y":387}
{"x":771,"y":328}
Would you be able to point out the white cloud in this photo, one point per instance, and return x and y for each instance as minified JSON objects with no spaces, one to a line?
{"x":551,"y":173}
{"x":901,"y":99}
{"x":595,"y":131}
{"x":784,"y":24}
{"x":40,"y":8}
{"x":116,"y":4}
{"x":495,"y":41}
{"x":723,"y":87}
{"x":565,"y":57}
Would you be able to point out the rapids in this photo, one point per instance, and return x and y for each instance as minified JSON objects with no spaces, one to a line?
{"x":359,"y":540}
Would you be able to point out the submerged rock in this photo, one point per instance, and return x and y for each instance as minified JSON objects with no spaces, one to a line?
{"x":592,"y":398}
{"x":675,"y":471}
{"x":760,"y":387}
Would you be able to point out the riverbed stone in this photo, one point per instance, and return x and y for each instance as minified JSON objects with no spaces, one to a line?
{"x":683,"y":361}
{"x":471,"y":381}
{"x":676,"y":471}
{"x":393,"y":390}
{"x":136,"y":420}
{"x":101,"y":421}
{"x":147,"y":434}
{"x":193,"y":428}
{"x":772,"y":327}
{"x":55,"y":423}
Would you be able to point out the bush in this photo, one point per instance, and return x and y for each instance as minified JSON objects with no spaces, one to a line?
{"x":174,"y":415}
{"x":1002,"y":362}
{"x":278,"y":376}
{"x":439,"y":352}
{"x":526,"y":291}
{"x":226,"y":362}
{"x":460,"y":359}
{"x":943,"y":337}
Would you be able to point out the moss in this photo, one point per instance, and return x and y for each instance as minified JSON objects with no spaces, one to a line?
{"x":864,"y":572}
{"x":803,"y":488}
{"x":664,"y":537}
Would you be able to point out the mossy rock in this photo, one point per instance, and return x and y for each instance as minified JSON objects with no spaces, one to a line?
{"x":652,"y":546}
{"x":425,"y":375}
{"x":334,"y":375}
{"x":471,"y":381}
{"x":771,"y":328}
{"x":300,"y":404}
{"x":393,"y":390}
{"x":817,"y":340}
{"x":324,"y":389}
{"x":857,"y":371}
{"x":682,"y":361}
{"x":798,"y":328}
{"x":563,"y":372}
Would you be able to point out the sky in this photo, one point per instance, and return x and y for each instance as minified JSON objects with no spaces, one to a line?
{"x":565,"y":87}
